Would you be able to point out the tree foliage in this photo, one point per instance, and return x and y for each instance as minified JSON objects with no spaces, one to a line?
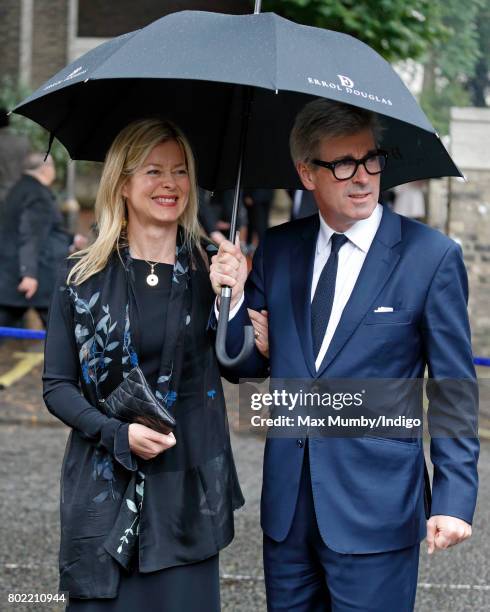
{"x":397,"y":29}
{"x":450,"y":65}
{"x":451,"y":38}
{"x":479,"y":83}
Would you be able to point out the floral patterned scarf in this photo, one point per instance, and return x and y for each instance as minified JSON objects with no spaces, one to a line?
{"x":99,"y":352}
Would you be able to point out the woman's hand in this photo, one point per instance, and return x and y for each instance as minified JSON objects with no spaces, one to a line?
{"x":261,"y":330}
{"x":147,"y":443}
{"x":229,"y":268}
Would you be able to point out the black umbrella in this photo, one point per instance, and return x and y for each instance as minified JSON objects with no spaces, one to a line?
{"x":234,"y":83}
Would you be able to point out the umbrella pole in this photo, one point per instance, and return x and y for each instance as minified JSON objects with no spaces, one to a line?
{"x":225,"y":299}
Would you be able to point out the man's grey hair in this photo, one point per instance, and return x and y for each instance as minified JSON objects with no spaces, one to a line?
{"x":324,"y":118}
{"x":34,"y":161}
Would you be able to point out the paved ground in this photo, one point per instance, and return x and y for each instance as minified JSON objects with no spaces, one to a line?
{"x":457,"y":580}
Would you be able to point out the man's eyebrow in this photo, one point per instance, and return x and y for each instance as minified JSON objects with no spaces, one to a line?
{"x":351,"y":157}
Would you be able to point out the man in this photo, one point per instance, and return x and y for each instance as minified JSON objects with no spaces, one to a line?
{"x":13,"y":150}
{"x":32,"y":242}
{"x":355,"y":292}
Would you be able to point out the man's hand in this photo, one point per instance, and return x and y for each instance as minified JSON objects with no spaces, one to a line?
{"x":229,"y":268}
{"x":261,"y":330}
{"x":28,"y":286}
{"x":446,"y":531}
{"x":147,"y":443}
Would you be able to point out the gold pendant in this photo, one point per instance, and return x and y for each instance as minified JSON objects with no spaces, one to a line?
{"x":152,"y":280}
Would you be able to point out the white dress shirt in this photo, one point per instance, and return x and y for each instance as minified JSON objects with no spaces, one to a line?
{"x":351,"y":259}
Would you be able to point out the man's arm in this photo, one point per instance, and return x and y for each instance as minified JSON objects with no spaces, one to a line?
{"x":453,"y":403}
{"x":34,"y":226}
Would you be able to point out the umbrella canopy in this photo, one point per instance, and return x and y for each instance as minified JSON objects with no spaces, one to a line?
{"x":194,"y":67}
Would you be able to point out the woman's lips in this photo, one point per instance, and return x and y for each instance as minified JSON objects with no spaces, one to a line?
{"x":166,"y":201}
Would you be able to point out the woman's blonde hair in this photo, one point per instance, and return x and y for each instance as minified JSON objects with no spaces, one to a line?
{"x":126,"y":155}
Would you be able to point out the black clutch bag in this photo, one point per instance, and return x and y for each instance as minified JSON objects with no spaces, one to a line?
{"x":133,"y":401}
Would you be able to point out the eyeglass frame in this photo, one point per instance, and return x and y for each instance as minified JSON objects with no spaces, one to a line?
{"x":331,"y":165}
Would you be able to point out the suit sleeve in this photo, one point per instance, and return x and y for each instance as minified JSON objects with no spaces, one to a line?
{"x":61,"y":389}
{"x":452,"y":390}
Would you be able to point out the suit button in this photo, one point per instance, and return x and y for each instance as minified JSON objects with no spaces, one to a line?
{"x":300,"y":443}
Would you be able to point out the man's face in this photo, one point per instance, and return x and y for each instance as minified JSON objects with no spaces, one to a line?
{"x":49,"y":170}
{"x":343,"y":203}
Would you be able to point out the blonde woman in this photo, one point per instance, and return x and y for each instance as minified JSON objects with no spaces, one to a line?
{"x":143,"y":514}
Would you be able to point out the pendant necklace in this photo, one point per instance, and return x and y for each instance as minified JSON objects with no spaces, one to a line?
{"x":152,"y":278}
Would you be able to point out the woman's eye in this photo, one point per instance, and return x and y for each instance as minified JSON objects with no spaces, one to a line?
{"x":153,"y":171}
{"x":181,"y":172}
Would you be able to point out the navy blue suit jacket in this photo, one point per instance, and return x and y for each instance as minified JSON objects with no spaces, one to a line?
{"x":368,"y":492}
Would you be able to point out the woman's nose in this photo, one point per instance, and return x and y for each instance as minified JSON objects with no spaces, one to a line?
{"x":168,"y":179}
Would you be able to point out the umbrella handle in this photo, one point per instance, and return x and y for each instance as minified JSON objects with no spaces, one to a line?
{"x":248,"y":331}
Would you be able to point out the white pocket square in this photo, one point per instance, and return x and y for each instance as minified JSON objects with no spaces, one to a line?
{"x":384,"y":309}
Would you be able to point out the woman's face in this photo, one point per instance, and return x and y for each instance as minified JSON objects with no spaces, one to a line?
{"x":158,"y":192}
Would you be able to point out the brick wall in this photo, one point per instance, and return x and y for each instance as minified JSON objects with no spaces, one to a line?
{"x":112,"y":18}
{"x":49,"y":45}
{"x":469,"y":217}
{"x":470,"y":224}
{"x":9,"y":38}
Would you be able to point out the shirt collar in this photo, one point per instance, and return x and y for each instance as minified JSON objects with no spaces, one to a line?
{"x":361,"y":234}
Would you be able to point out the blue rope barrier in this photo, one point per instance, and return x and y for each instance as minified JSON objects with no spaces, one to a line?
{"x":482,"y":361}
{"x":24,"y":334}
{"x":35,"y":334}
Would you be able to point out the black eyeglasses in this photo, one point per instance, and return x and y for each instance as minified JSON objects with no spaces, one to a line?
{"x":344,"y":169}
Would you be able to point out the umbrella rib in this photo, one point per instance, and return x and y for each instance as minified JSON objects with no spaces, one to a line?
{"x":276,"y":79}
{"x":129,"y":38}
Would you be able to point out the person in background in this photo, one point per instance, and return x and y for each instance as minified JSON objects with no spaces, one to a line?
{"x":302,"y":204}
{"x":33,"y":242}
{"x":410,"y":201}
{"x":258,"y":204}
{"x":13,"y":150}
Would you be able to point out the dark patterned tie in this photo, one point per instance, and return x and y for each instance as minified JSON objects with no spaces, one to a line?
{"x":321,"y":306}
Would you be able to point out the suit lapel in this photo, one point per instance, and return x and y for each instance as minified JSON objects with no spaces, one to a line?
{"x":301,"y":266}
{"x":380,"y":262}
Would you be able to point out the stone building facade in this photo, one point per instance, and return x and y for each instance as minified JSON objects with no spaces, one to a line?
{"x":462,"y":209}
{"x":39,"y":37}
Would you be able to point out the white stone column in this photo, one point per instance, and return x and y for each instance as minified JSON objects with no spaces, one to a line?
{"x":25,"y":42}
{"x":72,"y":30}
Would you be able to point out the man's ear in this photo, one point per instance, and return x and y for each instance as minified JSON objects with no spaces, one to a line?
{"x":306,"y":175}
